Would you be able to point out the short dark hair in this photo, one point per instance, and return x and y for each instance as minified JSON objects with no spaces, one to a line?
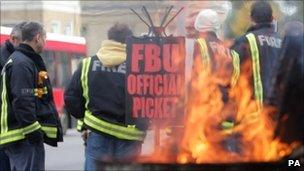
{"x":261,"y":12}
{"x":119,"y":32}
{"x":17,"y":30}
{"x":31,"y":29}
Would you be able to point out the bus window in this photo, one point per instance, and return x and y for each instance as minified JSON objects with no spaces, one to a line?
{"x":63,"y":69}
{"x":49,"y":59}
{"x":60,"y":66}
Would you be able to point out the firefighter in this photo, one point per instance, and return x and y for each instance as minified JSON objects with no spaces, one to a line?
{"x":28,"y":114}
{"x":287,"y":85}
{"x":9,"y":46}
{"x":261,"y":45}
{"x":211,"y":52}
{"x":96,"y":96}
{"x":6,"y":50}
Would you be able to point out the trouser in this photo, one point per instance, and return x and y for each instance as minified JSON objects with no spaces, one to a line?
{"x":102,"y":148}
{"x":4,"y":161}
{"x":27,"y":156}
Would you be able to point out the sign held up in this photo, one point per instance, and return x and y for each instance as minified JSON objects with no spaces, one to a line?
{"x":154,"y":78}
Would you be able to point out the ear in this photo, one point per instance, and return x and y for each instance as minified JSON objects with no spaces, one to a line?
{"x":38,"y":37}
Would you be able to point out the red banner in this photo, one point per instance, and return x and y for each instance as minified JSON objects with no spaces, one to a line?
{"x":155,"y":78}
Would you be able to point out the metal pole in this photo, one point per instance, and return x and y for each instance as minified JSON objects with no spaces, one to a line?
{"x":140,"y":17}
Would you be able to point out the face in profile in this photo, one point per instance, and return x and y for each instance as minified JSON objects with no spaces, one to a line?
{"x":40,"y":42}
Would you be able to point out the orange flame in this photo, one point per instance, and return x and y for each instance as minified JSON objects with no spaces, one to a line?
{"x":222,"y":131}
{"x":235,"y":131}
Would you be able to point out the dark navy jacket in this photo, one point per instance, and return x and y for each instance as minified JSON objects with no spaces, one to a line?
{"x":288,"y":86}
{"x":6,"y":50}
{"x":106,"y":92}
{"x":24,"y":107}
{"x":269,"y":44}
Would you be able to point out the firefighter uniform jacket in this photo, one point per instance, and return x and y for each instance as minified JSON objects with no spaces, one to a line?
{"x":6,"y":50}
{"x":27,"y":105}
{"x":261,"y":44}
{"x":96,"y":96}
{"x":211,"y":52}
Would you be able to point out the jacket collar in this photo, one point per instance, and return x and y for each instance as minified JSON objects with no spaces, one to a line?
{"x":29,"y":52}
{"x":9,"y":46}
{"x":260,"y":26}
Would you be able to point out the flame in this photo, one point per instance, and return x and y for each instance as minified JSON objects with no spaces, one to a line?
{"x":231,"y":131}
{"x":222,"y":127}
{"x":221,"y":132}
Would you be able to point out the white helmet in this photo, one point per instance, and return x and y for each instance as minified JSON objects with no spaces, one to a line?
{"x":207,"y":20}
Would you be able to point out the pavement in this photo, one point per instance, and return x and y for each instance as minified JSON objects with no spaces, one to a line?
{"x":69,"y":155}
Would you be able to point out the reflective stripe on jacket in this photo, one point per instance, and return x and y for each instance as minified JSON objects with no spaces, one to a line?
{"x":257,"y":82}
{"x":26,"y":104}
{"x":205,"y":56}
{"x":95,"y":122}
{"x":261,"y":45}
{"x":9,"y":135}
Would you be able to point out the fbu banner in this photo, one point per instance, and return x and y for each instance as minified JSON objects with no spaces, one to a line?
{"x":155,"y":79}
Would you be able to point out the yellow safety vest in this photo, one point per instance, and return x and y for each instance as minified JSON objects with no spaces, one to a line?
{"x":206,"y":60}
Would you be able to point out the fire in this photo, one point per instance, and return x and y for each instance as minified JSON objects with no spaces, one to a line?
{"x":222,"y":124}
{"x":231,"y":131}
{"x":222,"y":131}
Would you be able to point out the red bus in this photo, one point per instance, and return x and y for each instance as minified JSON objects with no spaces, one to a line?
{"x":61,"y":55}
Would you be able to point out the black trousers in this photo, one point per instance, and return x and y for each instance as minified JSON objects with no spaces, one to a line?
{"x":4,"y":161}
{"x":25,"y":155}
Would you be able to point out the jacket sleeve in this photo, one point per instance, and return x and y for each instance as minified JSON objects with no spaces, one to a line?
{"x":22,"y":85}
{"x":73,"y":98}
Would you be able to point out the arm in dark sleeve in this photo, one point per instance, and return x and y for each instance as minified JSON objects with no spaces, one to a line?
{"x":22,"y":85}
{"x":73,"y":98}
{"x":241,"y":47}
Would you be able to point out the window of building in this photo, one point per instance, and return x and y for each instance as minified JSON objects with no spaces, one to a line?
{"x":68,"y":29}
{"x":55,"y":26}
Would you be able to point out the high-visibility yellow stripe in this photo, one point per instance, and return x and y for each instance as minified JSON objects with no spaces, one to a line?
{"x":122,"y":132}
{"x":258,"y":88}
{"x":79,"y":125}
{"x":11,"y":136}
{"x":7,"y":136}
{"x":204,"y":52}
{"x":31,"y":128}
{"x":18,"y":134}
{"x":50,"y":132}
{"x":3,"y":122}
{"x":236,"y":67}
{"x":84,"y":79}
{"x":12,"y":139}
{"x":3,"y":105}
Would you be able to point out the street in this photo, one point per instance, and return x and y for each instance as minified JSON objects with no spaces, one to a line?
{"x":69,"y":155}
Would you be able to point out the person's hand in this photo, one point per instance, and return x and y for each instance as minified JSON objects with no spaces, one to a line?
{"x":84,"y":136}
